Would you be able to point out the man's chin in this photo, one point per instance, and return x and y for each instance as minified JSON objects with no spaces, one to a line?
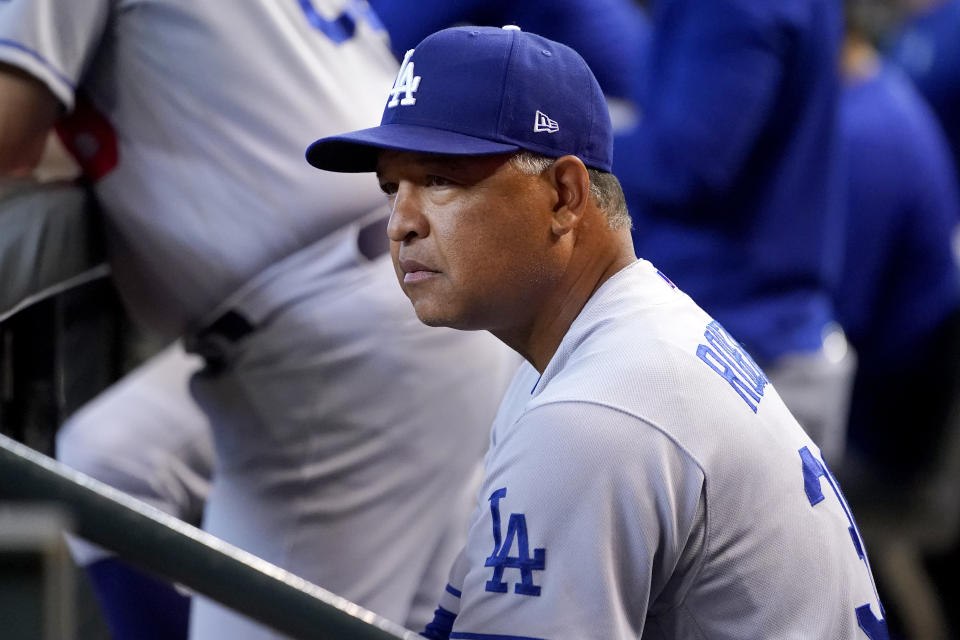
{"x":433,"y":319}
{"x":436,"y":321}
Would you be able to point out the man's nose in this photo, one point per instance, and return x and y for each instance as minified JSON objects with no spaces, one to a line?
{"x":406,"y":216}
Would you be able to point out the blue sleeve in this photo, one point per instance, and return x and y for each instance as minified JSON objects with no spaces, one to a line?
{"x":136,"y":605}
{"x":441,"y":626}
{"x":712,"y":77}
{"x":929,"y":51}
{"x":604,"y":32}
{"x":900,"y":278}
{"x":925,"y":236}
{"x":410,"y":22}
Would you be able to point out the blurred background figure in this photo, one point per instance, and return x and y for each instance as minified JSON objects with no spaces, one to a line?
{"x":150,"y":437}
{"x":926,"y":45}
{"x":734,"y":180}
{"x":346,"y":433}
{"x":607,"y":33}
{"x":899,"y":302}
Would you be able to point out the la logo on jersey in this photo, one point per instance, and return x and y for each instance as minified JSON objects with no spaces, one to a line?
{"x":406,"y":83}
{"x":501,"y":559}
{"x":543,"y":123}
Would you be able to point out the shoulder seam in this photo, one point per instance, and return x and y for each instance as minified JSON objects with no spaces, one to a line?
{"x":706,"y":506}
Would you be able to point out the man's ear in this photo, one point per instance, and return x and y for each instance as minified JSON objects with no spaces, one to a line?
{"x":572,"y":183}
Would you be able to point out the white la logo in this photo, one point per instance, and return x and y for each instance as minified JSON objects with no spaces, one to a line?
{"x":406,"y":83}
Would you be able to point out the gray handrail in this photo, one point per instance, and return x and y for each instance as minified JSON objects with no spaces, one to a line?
{"x":172,"y":549}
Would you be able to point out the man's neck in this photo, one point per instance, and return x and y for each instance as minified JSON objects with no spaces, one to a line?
{"x":539,"y":342}
{"x":859,"y":60}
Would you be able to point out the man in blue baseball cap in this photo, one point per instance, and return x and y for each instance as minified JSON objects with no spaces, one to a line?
{"x":643,"y":477}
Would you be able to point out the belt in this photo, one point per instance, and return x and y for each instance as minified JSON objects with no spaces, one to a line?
{"x":216,"y":340}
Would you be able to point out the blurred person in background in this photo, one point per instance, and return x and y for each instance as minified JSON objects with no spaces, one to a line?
{"x":172,"y":467}
{"x":927,"y":47}
{"x":734,"y":181}
{"x":899,"y":303}
{"x":345,"y":432}
{"x":607,"y":33}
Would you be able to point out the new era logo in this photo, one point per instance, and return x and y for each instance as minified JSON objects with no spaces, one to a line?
{"x":543,"y":123}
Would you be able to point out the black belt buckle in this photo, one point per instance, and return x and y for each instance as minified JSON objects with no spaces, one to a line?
{"x":213,"y":343}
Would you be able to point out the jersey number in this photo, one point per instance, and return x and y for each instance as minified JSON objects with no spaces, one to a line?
{"x":813,"y":471}
{"x":341,"y":28}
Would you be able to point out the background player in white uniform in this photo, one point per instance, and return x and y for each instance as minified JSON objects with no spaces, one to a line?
{"x":644,"y":479}
{"x":344,"y":430}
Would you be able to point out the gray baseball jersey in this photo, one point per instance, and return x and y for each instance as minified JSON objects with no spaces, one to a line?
{"x":220,"y":100}
{"x":345,"y":430}
{"x":652,"y":484}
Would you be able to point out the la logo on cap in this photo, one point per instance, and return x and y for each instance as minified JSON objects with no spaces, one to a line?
{"x":406,"y":83}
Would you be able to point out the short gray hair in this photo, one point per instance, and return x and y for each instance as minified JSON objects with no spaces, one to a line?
{"x":604,"y":187}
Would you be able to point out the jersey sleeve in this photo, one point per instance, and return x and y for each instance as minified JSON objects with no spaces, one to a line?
{"x":52,"y":40}
{"x":585,"y":514}
{"x":712,"y":79}
{"x":929,"y":220}
{"x":576,"y":23}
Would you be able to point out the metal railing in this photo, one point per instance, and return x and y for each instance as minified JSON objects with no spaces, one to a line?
{"x":176,"y":551}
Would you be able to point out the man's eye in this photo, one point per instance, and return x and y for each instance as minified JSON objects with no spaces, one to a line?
{"x":437,"y":181}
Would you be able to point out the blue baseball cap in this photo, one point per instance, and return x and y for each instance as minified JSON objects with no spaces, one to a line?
{"x":482,"y":91}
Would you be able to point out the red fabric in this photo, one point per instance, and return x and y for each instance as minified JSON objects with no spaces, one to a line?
{"x":90,"y":139}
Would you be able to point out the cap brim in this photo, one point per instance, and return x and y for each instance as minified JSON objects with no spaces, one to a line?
{"x":357,"y":151}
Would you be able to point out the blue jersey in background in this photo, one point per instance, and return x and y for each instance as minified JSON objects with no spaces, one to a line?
{"x":602,"y":31}
{"x":734,"y":175}
{"x":901,"y":286}
{"x":928,"y":49}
